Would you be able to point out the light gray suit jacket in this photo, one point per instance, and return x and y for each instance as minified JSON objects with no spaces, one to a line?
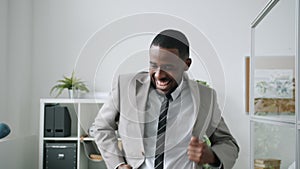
{"x":125,"y":112}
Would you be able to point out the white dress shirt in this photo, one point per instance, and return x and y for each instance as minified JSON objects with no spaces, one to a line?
{"x":179,"y":128}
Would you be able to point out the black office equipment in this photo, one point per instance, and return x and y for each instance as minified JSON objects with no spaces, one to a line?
{"x":57,"y":121}
{"x":60,"y":156}
{"x":49,"y":121}
{"x":62,"y":125}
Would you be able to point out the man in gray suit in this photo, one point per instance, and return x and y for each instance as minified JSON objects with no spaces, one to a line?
{"x":162,"y":116}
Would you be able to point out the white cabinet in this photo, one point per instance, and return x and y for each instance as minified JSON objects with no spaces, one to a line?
{"x":274,"y":85}
{"x":82,"y":113}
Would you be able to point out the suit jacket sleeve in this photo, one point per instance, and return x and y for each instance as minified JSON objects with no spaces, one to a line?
{"x":223,"y":144}
{"x":105,"y":126}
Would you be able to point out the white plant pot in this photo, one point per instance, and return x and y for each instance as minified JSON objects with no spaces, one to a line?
{"x":73,"y":94}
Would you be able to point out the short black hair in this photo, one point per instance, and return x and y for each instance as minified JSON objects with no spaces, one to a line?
{"x":173,"y":39}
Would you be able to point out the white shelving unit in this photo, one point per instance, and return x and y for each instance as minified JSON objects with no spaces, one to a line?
{"x":83,"y":113}
{"x":274,"y":127}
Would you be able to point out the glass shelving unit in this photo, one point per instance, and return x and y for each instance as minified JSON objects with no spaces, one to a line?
{"x":274,"y":79}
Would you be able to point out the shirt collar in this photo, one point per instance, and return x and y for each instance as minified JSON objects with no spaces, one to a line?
{"x":178,"y":90}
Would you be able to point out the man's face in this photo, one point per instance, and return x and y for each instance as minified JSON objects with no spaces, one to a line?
{"x":166,"y":69}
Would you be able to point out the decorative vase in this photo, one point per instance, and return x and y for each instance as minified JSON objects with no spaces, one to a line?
{"x":73,"y":94}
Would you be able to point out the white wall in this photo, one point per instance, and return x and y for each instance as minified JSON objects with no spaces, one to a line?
{"x":19,"y":65}
{"x":18,"y":150}
{"x":61,"y":28}
{"x":3,"y":59}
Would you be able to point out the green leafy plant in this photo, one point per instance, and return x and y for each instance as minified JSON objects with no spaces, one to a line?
{"x":206,"y":140}
{"x":70,"y":83}
{"x":202,"y":82}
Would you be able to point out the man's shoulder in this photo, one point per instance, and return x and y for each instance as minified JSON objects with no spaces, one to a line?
{"x":200,"y":86}
{"x":134,"y":76}
{"x":204,"y":90}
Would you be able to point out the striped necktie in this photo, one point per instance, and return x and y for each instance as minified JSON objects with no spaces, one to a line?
{"x":160,"y":139}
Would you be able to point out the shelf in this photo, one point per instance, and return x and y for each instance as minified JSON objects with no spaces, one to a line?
{"x":93,"y":139}
{"x":86,"y":162}
{"x":275,"y":118}
{"x":82,"y":113}
{"x":89,"y":139}
{"x":274,"y":141}
{"x":60,"y":138}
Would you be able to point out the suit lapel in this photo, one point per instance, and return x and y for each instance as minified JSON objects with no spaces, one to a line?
{"x":196,"y":102}
{"x":142,"y":90}
{"x":201,"y":108}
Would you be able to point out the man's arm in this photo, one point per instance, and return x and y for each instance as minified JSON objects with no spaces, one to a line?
{"x":105,"y":127}
{"x":222,"y":153}
{"x":224,"y":145}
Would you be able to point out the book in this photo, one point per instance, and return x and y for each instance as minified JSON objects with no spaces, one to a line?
{"x":267,"y":164}
{"x":269,"y":161}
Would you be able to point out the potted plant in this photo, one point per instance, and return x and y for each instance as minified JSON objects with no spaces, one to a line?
{"x":73,"y":84}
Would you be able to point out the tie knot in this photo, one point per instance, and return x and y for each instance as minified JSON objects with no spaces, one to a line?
{"x":168,"y":96}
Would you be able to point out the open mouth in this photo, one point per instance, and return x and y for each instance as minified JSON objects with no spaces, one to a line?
{"x":162,"y":84}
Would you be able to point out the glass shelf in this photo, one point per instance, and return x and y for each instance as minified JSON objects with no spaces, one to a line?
{"x":276,"y":118}
{"x":272,"y":141}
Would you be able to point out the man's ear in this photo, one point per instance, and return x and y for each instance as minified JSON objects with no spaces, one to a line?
{"x":188,"y":63}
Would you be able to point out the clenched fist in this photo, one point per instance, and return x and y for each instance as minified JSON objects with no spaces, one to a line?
{"x":200,"y":153}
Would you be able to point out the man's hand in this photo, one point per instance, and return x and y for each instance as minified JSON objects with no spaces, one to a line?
{"x":124,"y":166}
{"x":200,"y":153}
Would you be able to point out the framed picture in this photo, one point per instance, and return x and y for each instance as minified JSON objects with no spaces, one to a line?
{"x":273,"y":83}
{"x":274,"y":91}
{"x":247,"y":84}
